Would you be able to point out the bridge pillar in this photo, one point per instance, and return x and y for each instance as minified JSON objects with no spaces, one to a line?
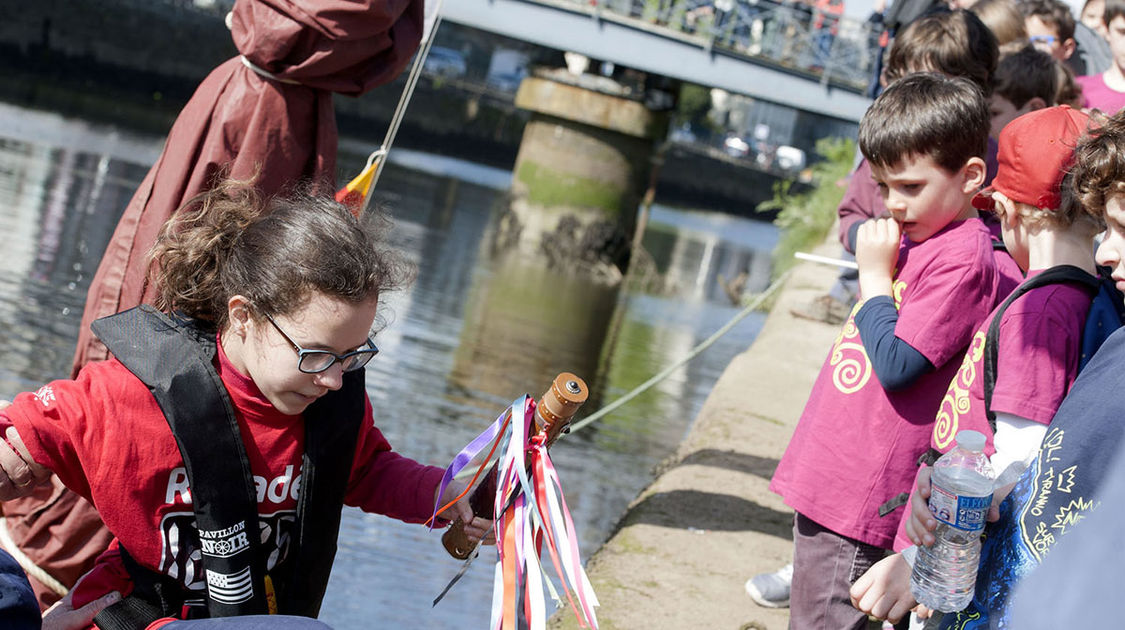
{"x":582,"y":166}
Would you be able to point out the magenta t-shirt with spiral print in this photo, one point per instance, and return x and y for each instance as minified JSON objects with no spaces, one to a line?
{"x":856,"y":445}
{"x":1038,"y":347}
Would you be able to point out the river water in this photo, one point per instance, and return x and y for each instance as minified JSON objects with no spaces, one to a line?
{"x":476,"y":329}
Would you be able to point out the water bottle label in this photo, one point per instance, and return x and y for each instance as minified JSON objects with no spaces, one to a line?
{"x":962,"y":512}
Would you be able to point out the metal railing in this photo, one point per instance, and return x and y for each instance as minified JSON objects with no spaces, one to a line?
{"x":790,"y":34}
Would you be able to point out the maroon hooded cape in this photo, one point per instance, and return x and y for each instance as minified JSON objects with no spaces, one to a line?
{"x":283,"y":129}
{"x":276,"y":123}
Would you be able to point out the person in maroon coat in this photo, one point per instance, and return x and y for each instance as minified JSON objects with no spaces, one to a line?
{"x":265,"y":115}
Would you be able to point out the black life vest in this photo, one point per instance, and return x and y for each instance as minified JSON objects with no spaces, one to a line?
{"x":174,"y":358}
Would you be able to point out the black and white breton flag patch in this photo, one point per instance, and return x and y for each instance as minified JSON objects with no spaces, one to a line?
{"x":233,"y":588}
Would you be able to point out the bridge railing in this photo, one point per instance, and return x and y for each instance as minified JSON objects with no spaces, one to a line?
{"x":791,"y":34}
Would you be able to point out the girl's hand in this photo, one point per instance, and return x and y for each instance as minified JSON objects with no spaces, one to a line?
{"x":998,"y":496}
{"x":63,"y":616}
{"x":921,"y":524}
{"x":19,"y":472}
{"x":876,"y":252}
{"x":476,"y":527}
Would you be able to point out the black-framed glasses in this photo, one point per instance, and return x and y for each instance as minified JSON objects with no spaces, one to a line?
{"x":317,"y":361}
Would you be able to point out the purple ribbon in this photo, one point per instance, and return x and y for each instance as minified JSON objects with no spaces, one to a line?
{"x":464,"y":457}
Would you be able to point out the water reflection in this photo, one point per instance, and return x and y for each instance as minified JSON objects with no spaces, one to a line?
{"x":59,"y":208}
{"x":469,"y":335}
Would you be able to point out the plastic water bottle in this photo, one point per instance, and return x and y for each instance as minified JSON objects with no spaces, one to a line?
{"x":945,"y":573}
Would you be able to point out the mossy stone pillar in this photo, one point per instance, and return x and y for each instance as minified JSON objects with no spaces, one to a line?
{"x":581,"y":169}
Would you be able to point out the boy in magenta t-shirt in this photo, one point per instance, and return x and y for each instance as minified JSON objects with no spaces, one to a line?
{"x":1106,"y":91}
{"x":1040,"y":332}
{"x":928,"y":278}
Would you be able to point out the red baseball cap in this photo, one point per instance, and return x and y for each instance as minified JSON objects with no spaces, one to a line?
{"x":1036,"y":150}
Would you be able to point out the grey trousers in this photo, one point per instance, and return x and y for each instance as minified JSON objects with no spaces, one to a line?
{"x":825,"y":565}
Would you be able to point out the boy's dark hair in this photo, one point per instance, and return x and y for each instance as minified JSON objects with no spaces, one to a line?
{"x":1026,"y":74}
{"x":1098,"y":173}
{"x":1054,"y":13}
{"x":1068,"y":93}
{"x":956,"y":44}
{"x":1113,"y":8}
{"x":926,"y":114}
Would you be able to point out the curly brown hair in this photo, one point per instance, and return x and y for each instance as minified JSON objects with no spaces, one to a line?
{"x":1099,"y":165}
{"x":276,"y":251}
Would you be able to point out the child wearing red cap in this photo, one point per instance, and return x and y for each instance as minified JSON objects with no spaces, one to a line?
{"x":1039,"y":334}
{"x":928,"y":278}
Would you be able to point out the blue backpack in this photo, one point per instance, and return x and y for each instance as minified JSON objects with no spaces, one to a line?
{"x":1107,"y":313}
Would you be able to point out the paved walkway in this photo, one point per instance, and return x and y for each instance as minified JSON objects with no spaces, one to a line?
{"x":688,"y":542}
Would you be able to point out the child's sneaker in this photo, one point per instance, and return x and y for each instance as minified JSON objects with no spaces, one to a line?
{"x":771,"y":589}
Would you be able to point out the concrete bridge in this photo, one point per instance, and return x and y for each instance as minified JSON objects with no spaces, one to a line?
{"x":788,"y":53}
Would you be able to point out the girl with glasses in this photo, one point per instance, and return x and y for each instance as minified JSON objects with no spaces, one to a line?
{"x":232,"y":424}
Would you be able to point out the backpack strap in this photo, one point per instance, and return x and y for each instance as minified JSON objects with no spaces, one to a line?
{"x":173,"y":357}
{"x":1107,"y":313}
{"x":1060,"y":274}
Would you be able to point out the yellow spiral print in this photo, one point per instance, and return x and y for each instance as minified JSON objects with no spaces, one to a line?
{"x":957,"y":402}
{"x":897,"y":289}
{"x":849,"y":331}
{"x":851,"y":368}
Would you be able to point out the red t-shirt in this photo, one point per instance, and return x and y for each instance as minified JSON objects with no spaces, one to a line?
{"x":105,"y":437}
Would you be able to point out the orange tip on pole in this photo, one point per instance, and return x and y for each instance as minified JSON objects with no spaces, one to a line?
{"x":355,"y":191}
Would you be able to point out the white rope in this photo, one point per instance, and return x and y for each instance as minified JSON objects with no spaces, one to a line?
{"x":403,"y":102}
{"x":825,"y":260}
{"x":26,"y":563}
{"x":666,"y":372}
{"x":703,"y":345}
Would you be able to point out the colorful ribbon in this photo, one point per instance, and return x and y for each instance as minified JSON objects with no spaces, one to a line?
{"x":529,"y":514}
{"x":467,"y":455}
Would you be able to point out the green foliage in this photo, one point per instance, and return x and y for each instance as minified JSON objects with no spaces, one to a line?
{"x":693,"y":106}
{"x":806,"y":217}
{"x":651,"y":10}
{"x":694,"y":101}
